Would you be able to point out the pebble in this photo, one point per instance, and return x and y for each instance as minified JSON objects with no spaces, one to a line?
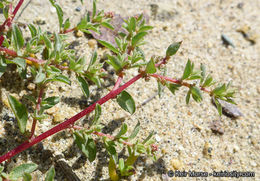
{"x":157,"y":138}
{"x":216,"y":127}
{"x":79,"y":34}
{"x":176,"y":164}
{"x":227,"y":41}
{"x":229,"y":109}
{"x":78,"y":9}
{"x":253,"y":163}
{"x":207,"y":150}
{"x":92,"y":43}
{"x":39,"y":21}
{"x":31,"y":86}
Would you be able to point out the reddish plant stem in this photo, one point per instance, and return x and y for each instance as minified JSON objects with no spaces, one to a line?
{"x":37,"y":109}
{"x":8,"y":21}
{"x":14,"y":54}
{"x":68,"y":30}
{"x":163,"y":61}
{"x":176,"y":81}
{"x":118,"y":82}
{"x":68,"y":122}
{"x":103,"y":135}
{"x":39,"y":61}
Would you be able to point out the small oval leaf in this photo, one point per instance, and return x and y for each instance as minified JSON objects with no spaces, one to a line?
{"x":19,"y":111}
{"x":19,"y":171}
{"x":84,"y":86}
{"x":125,"y":100}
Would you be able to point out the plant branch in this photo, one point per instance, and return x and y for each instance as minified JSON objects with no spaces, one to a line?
{"x":68,"y":122}
{"x":9,"y":20}
{"x":37,"y":109}
{"x":176,"y":81}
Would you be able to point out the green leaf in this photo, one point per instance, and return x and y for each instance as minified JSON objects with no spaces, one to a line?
{"x":83,"y":85}
{"x":196,"y":94}
{"x":49,"y":102}
{"x":188,"y":97}
{"x":145,"y":28}
{"x":135,"y":131}
{"x":3,"y":66}
{"x":107,"y":25}
{"x":219,"y":90}
{"x":40,"y":77}
{"x":121,"y":164}
{"x":59,"y":13}
{"x":132,"y":24}
{"x":148,"y":137}
{"x":66,"y":24}
{"x":27,"y":177}
{"x":47,"y":42}
{"x":20,"y":62}
{"x":94,"y":9}
{"x":173,"y":87}
{"x":86,"y":144}
{"x":92,"y":60}
{"x":50,"y":174}
{"x":150,"y":67}
{"x":17,"y":37}
{"x":122,"y":131}
{"x":19,"y":111}
{"x":208,"y":81}
{"x":125,"y":100}
{"x":109,"y":46}
{"x":97,"y":114}
{"x":57,"y":44}
{"x":31,"y":98}
{"x":115,"y":63}
{"x":60,"y":78}
{"x":172,"y":49}
{"x":138,"y":37}
{"x":111,"y":149}
{"x":33,"y":30}
{"x":112,"y":170}
{"x":219,"y":107}
{"x":203,"y":72}
{"x":20,"y":170}
{"x":187,"y":71}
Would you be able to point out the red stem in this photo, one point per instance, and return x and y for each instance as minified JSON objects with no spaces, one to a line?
{"x":9,"y":20}
{"x":68,"y":122}
{"x":118,"y":82}
{"x":176,"y":81}
{"x":37,"y":109}
{"x":103,"y":134}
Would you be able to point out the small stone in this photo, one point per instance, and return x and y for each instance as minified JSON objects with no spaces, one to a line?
{"x":78,"y":9}
{"x":31,"y":86}
{"x":79,"y":34}
{"x":253,"y":163}
{"x":176,"y":164}
{"x":163,"y":151}
{"x":92,"y":43}
{"x":207,"y":150}
{"x":57,"y":118}
{"x":157,"y":138}
{"x":229,"y":109}
{"x":258,"y":89}
{"x":6,"y":103}
{"x":165,"y":28}
{"x":39,"y":21}
{"x":216,"y":127}
{"x":236,"y":148}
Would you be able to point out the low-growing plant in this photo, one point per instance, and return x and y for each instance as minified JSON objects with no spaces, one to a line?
{"x":46,"y":57}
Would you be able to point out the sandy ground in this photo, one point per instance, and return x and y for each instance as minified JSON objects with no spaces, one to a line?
{"x":182,"y":131}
